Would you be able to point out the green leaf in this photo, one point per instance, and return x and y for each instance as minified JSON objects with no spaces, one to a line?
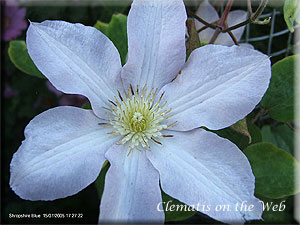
{"x":276,"y":210}
{"x":103,"y":27}
{"x":174,"y":209}
{"x":241,"y":127}
{"x":239,"y":139}
{"x":101,"y":179}
{"x":291,"y":10}
{"x":116,"y":31}
{"x":298,"y":17}
{"x":274,"y":170}
{"x":18,"y":54}
{"x":279,"y":98}
{"x":86,"y":106}
{"x":281,"y":136}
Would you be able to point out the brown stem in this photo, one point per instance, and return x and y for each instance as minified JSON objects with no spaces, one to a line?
{"x":233,"y":38}
{"x":291,"y":127}
{"x":237,"y":26}
{"x":226,"y":12}
{"x":249,"y":7}
{"x":205,"y":27}
{"x":260,"y":112}
{"x":215,"y":36}
{"x":260,"y":9}
{"x":201,"y":20}
{"x":202,"y":29}
{"x":222,"y":23}
{"x":251,"y":18}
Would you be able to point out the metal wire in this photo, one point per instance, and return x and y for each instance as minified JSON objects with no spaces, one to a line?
{"x":272,"y":35}
{"x":271,"y":31}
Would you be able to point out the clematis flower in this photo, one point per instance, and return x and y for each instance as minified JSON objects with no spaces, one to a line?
{"x":207,"y":12}
{"x":144,"y":124}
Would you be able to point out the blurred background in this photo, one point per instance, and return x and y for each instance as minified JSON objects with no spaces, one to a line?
{"x":25,"y":96}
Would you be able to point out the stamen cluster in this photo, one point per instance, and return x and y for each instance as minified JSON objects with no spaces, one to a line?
{"x":138,"y":118}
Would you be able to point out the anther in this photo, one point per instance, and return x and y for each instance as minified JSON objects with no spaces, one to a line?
{"x":171,"y":125}
{"x":129,"y":151}
{"x":144,"y":90}
{"x":149,"y":94}
{"x":106,"y":108}
{"x":168,"y":135}
{"x":148,"y":149}
{"x":132,"y":92}
{"x":137,"y":117}
{"x":156,"y":141}
{"x":118,"y":103}
{"x":112,"y":102}
{"x":161,"y":96}
{"x":154,"y":94}
{"x":120,"y":96}
{"x":109,"y":115}
{"x":113,"y":133}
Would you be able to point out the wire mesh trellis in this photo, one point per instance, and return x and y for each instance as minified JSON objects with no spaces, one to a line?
{"x":286,"y":48}
{"x":264,"y":37}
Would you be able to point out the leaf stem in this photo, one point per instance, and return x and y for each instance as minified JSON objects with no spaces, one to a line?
{"x":291,"y":127}
{"x":233,"y":38}
{"x":221,"y":26}
{"x":201,"y":20}
{"x":249,"y":7}
{"x":252,"y":17}
{"x":260,"y":113}
{"x":222,"y":23}
{"x":202,"y":29}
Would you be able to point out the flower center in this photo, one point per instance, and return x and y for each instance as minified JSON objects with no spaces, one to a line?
{"x":139,"y":118}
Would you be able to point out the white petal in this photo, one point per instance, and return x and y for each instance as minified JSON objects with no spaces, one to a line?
{"x":62,"y":153}
{"x":219,"y":86}
{"x":77,"y":59}
{"x":131,"y":192}
{"x":198,"y":167}
{"x":207,"y":12}
{"x":156,"y":42}
{"x":247,"y":45}
{"x":234,"y":17}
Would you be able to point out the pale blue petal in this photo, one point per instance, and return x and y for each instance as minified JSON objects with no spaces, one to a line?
{"x":131,"y":193}
{"x":200,"y":168}
{"x":156,"y":42}
{"x":76,"y":59}
{"x":62,"y":153}
{"x":219,"y":86}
